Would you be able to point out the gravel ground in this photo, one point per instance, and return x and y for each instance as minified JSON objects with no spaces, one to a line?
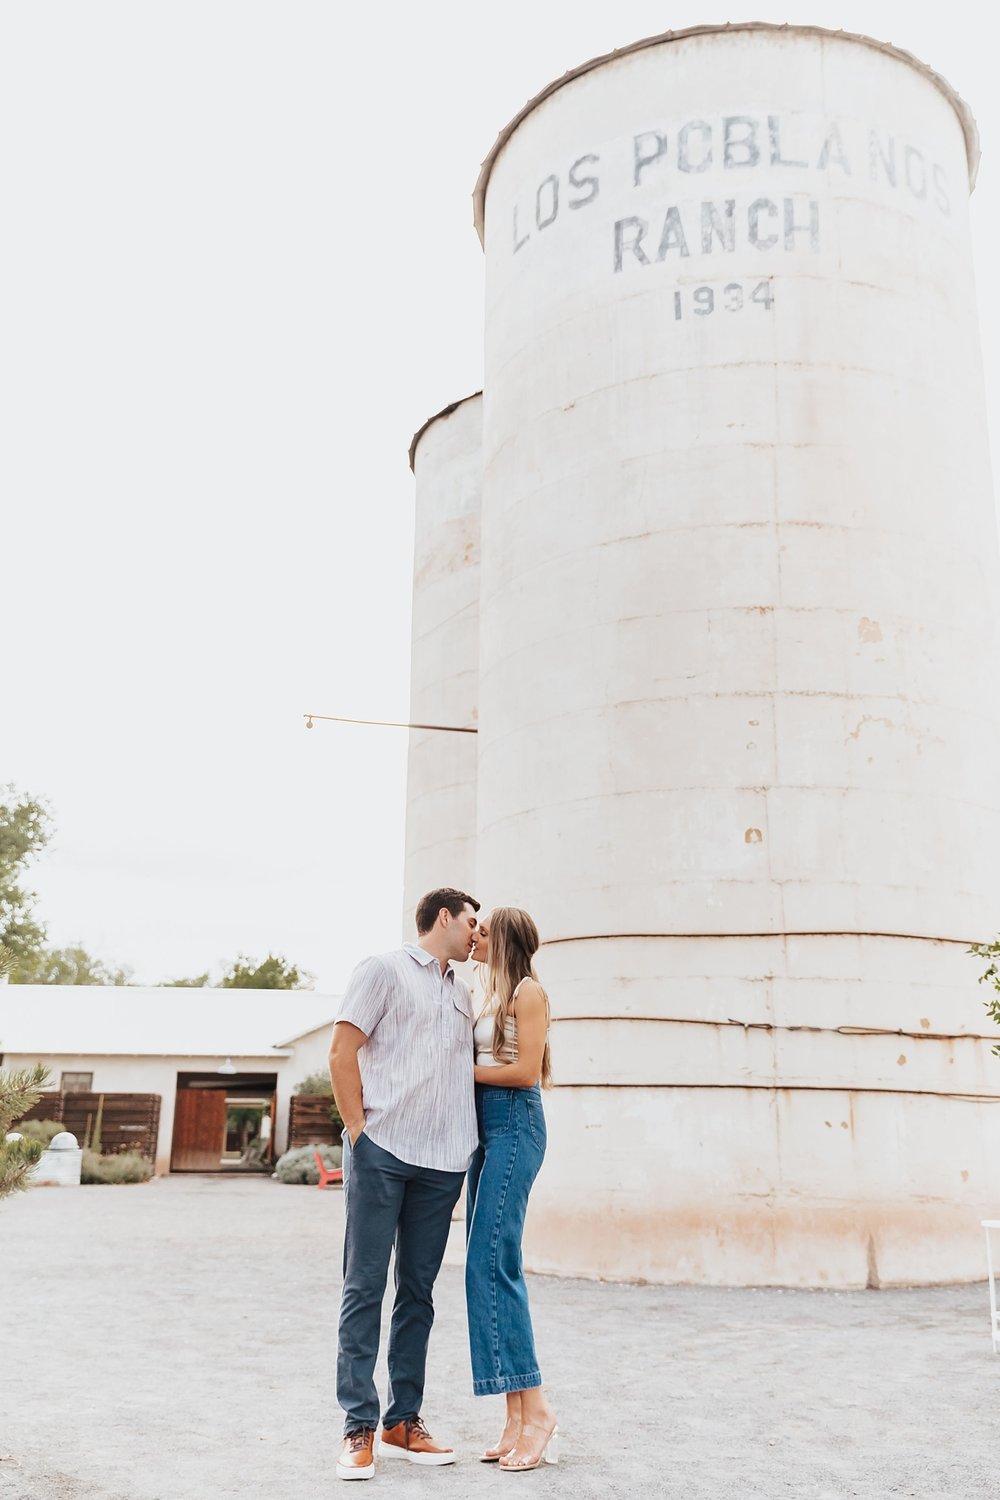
{"x":176,"y":1341}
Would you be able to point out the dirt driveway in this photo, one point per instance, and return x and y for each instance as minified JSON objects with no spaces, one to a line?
{"x":175,"y":1342}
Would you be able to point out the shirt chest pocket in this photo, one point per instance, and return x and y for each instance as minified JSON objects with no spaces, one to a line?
{"x":458,"y":1021}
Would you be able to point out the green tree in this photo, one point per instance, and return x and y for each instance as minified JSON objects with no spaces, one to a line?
{"x":68,"y":966}
{"x":25,"y":829}
{"x":273,"y":973}
{"x":19,"y":1090}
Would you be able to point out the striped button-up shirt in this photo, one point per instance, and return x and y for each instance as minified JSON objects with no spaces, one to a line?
{"x":417,"y":1086}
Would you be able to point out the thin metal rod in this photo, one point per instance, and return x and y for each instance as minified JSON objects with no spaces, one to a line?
{"x":388,"y":724}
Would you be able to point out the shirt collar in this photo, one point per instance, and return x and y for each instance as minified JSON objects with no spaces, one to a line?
{"x":425,"y":958}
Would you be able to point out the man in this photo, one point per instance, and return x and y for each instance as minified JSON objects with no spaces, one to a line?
{"x":401,"y":1063}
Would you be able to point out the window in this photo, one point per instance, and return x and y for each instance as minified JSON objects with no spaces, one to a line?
{"x":77,"y":1083}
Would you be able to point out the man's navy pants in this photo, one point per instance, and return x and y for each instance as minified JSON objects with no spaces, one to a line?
{"x":389,"y":1203}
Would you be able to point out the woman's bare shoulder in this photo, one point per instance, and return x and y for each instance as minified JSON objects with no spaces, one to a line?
{"x":529,"y":994}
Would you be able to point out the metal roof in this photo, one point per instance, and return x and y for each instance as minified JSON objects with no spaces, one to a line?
{"x":445,"y":411}
{"x":55,"y":1020}
{"x":965,"y":115}
{"x":325,"y":1025}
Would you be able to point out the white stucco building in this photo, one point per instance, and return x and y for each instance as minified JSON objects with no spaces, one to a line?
{"x":200,"y":1046}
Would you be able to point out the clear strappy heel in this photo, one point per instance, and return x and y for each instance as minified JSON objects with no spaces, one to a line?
{"x":493,"y":1455}
{"x":547,"y":1452}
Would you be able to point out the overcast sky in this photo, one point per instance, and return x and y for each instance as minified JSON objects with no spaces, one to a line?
{"x":239,"y":271}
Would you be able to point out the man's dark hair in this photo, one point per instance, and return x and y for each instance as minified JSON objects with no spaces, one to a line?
{"x":454,"y":901}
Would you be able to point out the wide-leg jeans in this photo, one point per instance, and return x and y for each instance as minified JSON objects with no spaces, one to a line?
{"x":388,"y":1202}
{"x":511,"y":1148}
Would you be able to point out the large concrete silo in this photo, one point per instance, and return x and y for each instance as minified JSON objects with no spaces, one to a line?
{"x":738,"y":724}
{"x":446,"y":459}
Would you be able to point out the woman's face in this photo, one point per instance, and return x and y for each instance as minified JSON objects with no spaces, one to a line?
{"x":481,"y":952}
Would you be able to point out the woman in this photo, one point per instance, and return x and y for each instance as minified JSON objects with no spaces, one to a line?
{"x":512,"y":1057}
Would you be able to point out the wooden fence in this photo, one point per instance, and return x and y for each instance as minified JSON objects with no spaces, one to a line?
{"x":130,"y":1122}
{"x":309,"y":1122}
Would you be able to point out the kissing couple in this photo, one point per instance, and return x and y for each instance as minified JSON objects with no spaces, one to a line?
{"x":436,"y":1091}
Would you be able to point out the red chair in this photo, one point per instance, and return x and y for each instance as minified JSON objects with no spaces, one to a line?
{"x":326,"y":1174}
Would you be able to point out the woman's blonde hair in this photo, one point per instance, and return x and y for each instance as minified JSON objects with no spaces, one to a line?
{"x":514,"y":941}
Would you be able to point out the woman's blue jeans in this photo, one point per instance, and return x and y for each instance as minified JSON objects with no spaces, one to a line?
{"x":511,"y":1148}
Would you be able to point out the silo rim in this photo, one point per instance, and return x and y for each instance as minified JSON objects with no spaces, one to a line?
{"x":965,"y":115}
{"x":445,"y":411}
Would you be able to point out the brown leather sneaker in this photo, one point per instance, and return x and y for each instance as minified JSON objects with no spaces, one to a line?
{"x":411,"y":1440}
{"x":357,"y":1457}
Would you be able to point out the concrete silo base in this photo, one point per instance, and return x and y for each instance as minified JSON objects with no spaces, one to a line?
{"x":620,"y":1214}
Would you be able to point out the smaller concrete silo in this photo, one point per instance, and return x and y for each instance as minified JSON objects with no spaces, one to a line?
{"x":446,"y":459}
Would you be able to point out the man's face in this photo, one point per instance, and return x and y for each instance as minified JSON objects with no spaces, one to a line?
{"x":461,"y":933}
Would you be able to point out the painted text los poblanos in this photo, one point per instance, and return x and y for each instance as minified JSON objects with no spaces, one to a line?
{"x":658,"y":160}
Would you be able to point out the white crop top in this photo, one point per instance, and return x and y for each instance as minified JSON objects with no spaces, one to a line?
{"x":482,"y":1036}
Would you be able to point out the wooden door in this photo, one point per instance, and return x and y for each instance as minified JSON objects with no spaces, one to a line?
{"x":199,"y":1130}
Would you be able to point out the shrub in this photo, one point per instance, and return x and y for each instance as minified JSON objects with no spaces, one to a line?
{"x":20,"y":1090}
{"x":316,"y":1083}
{"x":128,"y":1167}
{"x":40,"y":1130}
{"x":299,"y":1166}
{"x":990,"y":951}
